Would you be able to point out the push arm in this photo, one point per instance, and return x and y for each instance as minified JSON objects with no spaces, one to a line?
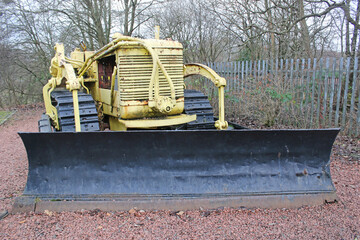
{"x":220,"y":83}
{"x":60,"y":71}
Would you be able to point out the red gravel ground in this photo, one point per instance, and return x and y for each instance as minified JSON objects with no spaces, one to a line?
{"x":332,"y":221}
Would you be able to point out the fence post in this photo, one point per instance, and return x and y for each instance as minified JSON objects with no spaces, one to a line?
{"x":338,"y":97}
{"x":343,"y":120}
{"x":302,"y":84}
{"x":286,"y":71}
{"x":238,"y":77}
{"x":327,"y":66}
{"x":313,"y":93}
{"x":246,"y":75}
{"x":319,"y":94}
{"x":307,"y":92}
{"x":234,"y":76}
{"x":353,"y":93}
{"x":291,"y":73}
{"x":258,"y":73}
{"x":332,"y":91}
{"x":250,"y":73}
{"x":242,"y":75}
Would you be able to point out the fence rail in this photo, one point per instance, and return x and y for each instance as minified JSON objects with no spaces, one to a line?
{"x":325,"y":92}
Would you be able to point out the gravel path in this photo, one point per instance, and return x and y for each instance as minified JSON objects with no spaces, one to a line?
{"x":331,"y":221}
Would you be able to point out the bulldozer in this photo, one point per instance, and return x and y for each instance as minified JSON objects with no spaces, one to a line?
{"x":121,"y":130}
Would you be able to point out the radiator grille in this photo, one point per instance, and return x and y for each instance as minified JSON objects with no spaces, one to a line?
{"x":135,"y":73}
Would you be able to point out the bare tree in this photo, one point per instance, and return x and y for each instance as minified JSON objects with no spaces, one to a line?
{"x":26,"y":52}
{"x":280,"y":28}
{"x":134,"y":14}
{"x":190,"y":23}
{"x":30,"y":29}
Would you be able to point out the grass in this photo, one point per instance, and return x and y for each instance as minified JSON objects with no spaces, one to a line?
{"x":5,"y":115}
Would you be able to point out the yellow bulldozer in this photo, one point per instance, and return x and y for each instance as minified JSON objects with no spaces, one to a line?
{"x":121,"y":131}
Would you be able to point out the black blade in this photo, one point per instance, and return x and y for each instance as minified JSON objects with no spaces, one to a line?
{"x":209,"y":162}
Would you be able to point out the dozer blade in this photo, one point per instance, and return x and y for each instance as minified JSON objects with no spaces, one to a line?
{"x":177,"y":169}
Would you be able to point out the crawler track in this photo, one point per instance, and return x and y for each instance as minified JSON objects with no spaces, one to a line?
{"x":197,"y":103}
{"x":63,"y":102}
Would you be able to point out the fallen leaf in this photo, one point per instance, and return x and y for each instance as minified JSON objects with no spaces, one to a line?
{"x":132,"y":211}
{"x":49,"y":213}
{"x":180,"y":213}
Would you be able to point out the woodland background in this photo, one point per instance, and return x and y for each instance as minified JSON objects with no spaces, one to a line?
{"x":211,"y":31}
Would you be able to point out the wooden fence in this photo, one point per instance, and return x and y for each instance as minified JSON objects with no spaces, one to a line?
{"x":325,"y":92}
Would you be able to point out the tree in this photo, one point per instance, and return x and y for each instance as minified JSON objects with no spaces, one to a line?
{"x":190,"y":23}
{"x":280,"y":28}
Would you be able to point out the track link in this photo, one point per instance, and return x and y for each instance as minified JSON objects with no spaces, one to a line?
{"x":44,"y":124}
{"x":63,"y":102}
{"x":197,"y":103}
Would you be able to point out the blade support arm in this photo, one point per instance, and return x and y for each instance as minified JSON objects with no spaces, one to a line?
{"x":50,"y":109}
{"x":62,"y":73}
{"x":219,"y":82}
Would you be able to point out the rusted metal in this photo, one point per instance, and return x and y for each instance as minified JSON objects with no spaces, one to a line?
{"x":125,"y":203}
{"x":105,"y":71}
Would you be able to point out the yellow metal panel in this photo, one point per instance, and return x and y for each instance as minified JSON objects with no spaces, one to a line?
{"x":105,"y":96}
{"x":115,"y":125}
{"x":76,"y":110}
{"x":121,"y":125}
{"x":141,"y":109}
{"x":111,"y":111}
{"x":133,"y":109}
{"x":135,"y":66}
{"x":77,"y":55}
{"x":164,"y":43}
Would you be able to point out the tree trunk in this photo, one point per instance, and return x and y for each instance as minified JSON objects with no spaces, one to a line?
{"x":271,"y":30}
{"x":126,"y":17}
{"x":304,"y":30}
